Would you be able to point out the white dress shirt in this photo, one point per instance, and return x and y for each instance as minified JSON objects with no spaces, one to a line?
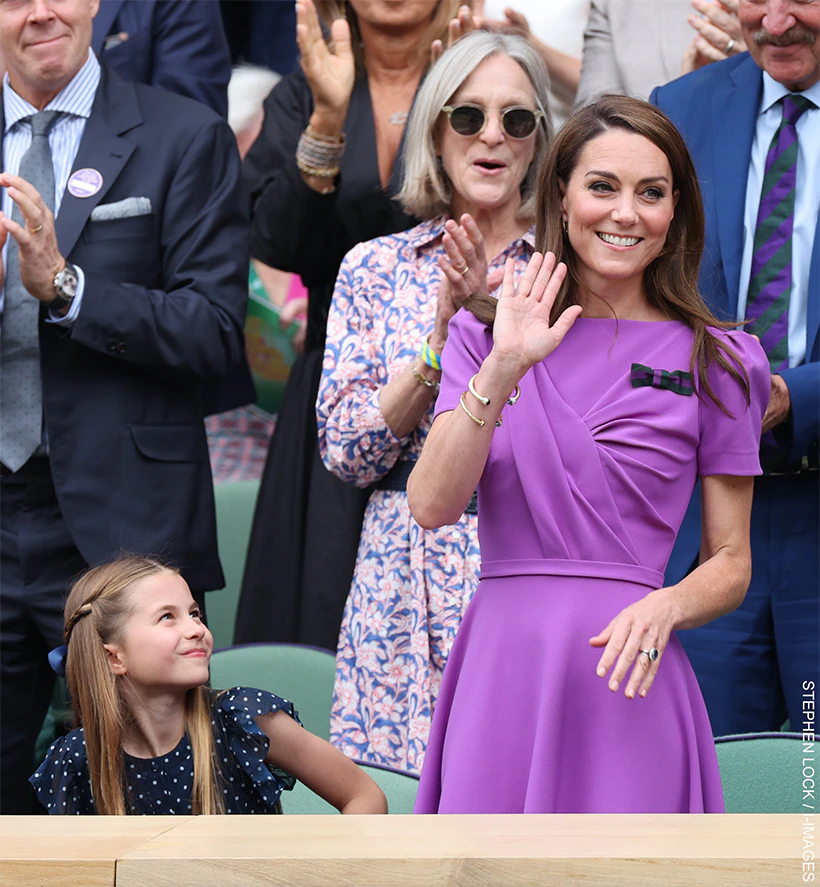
{"x":806,"y":204}
{"x":75,"y":101}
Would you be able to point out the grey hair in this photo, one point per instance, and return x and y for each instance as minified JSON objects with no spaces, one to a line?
{"x":426,"y":190}
{"x":248,"y":88}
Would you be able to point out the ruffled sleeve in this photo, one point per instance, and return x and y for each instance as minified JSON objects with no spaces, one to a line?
{"x":469,"y":341}
{"x":730,"y":444}
{"x":236,"y":712}
{"x":62,"y":783}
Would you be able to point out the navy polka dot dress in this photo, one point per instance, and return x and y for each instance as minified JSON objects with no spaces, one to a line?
{"x":163,"y":785}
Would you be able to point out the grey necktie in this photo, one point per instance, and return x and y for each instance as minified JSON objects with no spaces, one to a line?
{"x":21,"y":405}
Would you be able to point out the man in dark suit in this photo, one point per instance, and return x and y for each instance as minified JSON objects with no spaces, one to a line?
{"x":752,"y":123}
{"x":178,"y":45}
{"x":117,"y":316}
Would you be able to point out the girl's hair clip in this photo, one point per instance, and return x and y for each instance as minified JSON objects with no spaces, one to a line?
{"x":56,"y":659}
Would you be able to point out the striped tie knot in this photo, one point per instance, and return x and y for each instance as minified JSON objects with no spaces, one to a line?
{"x":794,"y":106}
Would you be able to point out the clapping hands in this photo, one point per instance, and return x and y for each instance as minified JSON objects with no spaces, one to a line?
{"x":719,"y":34}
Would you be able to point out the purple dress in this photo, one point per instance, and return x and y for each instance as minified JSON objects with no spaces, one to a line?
{"x":585,"y":487}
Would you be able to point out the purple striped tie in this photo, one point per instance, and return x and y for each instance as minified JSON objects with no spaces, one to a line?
{"x":770,"y":282}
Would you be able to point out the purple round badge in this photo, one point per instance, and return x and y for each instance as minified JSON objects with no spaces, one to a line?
{"x":85,"y":183}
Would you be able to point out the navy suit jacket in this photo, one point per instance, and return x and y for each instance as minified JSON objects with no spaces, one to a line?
{"x":178,"y":45}
{"x":161,"y":319}
{"x":716,"y":110}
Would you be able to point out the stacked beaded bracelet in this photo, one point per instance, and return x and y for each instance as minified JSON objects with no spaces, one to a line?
{"x":430,"y":357}
{"x":318,"y":155}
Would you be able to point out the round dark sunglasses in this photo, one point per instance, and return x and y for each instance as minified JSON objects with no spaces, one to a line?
{"x":470,"y":120}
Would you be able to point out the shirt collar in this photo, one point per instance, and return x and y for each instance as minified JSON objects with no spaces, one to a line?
{"x":430,"y":231}
{"x":774,"y":91}
{"x":76,"y":97}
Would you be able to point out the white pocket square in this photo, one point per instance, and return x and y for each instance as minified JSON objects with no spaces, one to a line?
{"x":122,"y":209}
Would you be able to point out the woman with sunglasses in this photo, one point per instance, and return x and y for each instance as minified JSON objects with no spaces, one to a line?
{"x":585,"y":402}
{"x":475,"y":140}
{"x":322,"y":176}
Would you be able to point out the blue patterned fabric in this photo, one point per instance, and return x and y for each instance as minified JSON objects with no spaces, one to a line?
{"x":163,"y":785}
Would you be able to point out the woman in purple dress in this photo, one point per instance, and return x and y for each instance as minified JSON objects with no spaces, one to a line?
{"x":567,"y":684}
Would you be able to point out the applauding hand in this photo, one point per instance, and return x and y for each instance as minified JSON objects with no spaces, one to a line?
{"x":330,"y":75}
{"x":522,"y":334}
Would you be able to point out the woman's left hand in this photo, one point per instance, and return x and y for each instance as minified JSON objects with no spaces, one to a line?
{"x":465,"y":273}
{"x":719,"y":34}
{"x":643,"y":625}
{"x":462,"y":24}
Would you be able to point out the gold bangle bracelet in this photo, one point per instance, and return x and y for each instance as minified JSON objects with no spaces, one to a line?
{"x":329,"y":172}
{"x":479,"y":397}
{"x":422,"y":379}
{"x":512,"y":399}
{"x":480,"y":422}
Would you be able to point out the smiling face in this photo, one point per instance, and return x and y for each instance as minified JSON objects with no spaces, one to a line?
{"x":486,"y":170}
{"x":164,"y":644}
{"x":783,"y":37}
{"x":44,"y":43}
{"x":618,"y":205}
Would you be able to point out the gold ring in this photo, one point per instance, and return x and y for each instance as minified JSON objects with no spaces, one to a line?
{"x":466,"y":269}
{"x":35,"y":230}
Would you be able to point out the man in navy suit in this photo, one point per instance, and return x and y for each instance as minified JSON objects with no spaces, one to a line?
{"x":757,"y":665}
{"x":178,"y":45}
{"x":136,"y":284}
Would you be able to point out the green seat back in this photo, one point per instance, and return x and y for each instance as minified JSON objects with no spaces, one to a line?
{"x":302,"y":675}
{"x":235,"y":504}
{"x":399,"y":789}
{"x":762,"y":773}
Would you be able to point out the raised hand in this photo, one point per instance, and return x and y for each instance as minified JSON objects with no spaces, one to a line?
{"x":522,"y":334}
{"x":465,"y":273}
{"x":464,"y":22}
{"x":719,"y":34}
{"x":330,"y":75}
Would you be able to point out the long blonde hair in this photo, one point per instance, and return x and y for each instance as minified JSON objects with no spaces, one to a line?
{"x":96,"y":612}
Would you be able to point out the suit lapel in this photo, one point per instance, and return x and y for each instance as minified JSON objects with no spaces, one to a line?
{"x":734,"y":116}
{"x":115,"y":112}
{"x":103,"y":22}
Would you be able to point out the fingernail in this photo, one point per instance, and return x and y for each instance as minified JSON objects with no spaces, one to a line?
{"x":613,"y":685}
{"x":643,"y":693}
{"x":601,"y":671}
{"x":630,"y":694}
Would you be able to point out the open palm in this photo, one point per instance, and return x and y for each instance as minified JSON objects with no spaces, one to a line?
{"x":331,"y":75}
{"x":522,"y":329}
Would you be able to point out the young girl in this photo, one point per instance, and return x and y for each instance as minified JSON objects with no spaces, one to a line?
{"x":153,"y":737}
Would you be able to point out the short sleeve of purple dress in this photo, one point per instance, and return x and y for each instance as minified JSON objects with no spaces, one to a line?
{"x":584,"y":490}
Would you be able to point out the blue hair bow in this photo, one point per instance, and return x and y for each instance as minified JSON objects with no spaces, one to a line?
{"x":56,"y":659}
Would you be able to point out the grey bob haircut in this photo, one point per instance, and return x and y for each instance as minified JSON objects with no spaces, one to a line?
{"x":426,"y":190}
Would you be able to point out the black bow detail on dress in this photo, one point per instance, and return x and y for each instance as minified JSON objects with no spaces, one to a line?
{"x":678,"y":381}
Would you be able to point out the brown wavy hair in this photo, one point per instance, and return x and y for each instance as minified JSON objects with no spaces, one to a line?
{"x":671,"y":279}
{"x":96,"y":611}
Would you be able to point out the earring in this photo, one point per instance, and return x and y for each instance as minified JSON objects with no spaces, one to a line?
{"x":566,"y":227}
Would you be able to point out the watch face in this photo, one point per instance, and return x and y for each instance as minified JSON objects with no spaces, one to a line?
{"x":66,"y":283}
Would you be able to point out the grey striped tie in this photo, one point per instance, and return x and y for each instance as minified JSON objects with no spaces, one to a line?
{"x":21,"y":405}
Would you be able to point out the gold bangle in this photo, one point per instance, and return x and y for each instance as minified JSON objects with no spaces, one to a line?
{"x":513,"y":398}
{"x":479,"y":397}
{"x":480,"y":422}
{"x":422,"y":379}
{"x":329,"y":172}
{"x":330,"y":140}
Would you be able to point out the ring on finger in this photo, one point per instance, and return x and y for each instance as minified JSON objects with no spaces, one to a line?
{"x":651,"y":654}
{"x":37,"y":229}
{"x":729,"y":46}
{"x":463,"y":271}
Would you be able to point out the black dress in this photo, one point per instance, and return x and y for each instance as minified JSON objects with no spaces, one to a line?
{"x":164,"y":785}
{"x":307,"y":525}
